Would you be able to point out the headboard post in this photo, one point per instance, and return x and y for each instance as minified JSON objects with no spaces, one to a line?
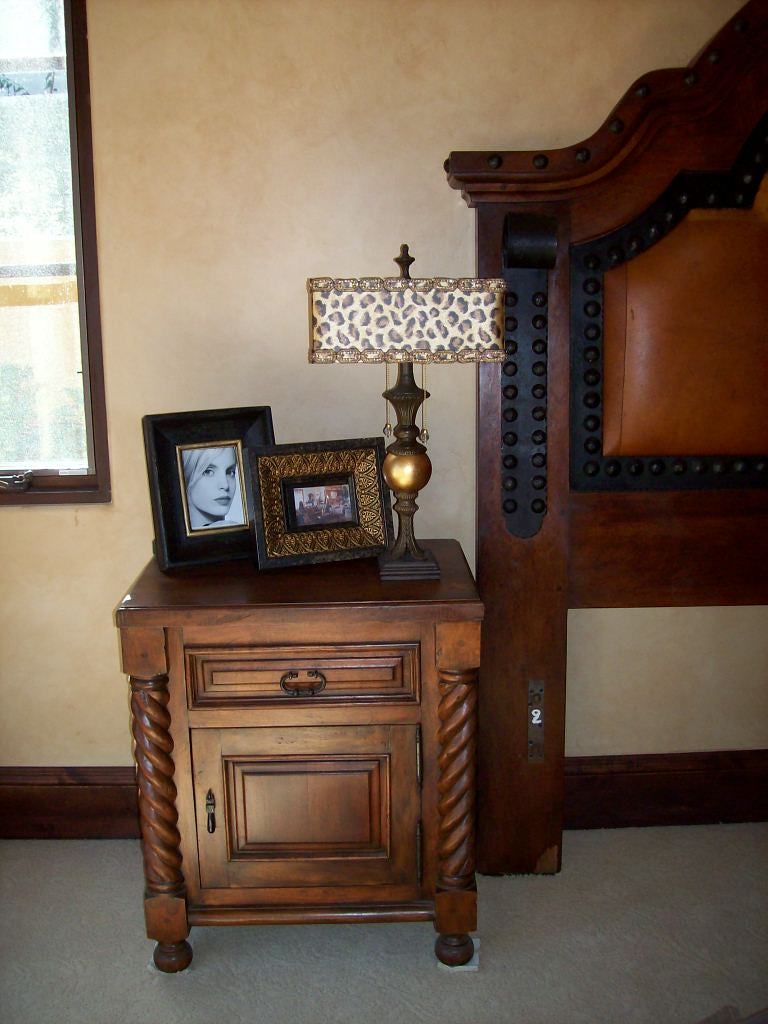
{"x":522,"y":547}
{"x":677,"y":140}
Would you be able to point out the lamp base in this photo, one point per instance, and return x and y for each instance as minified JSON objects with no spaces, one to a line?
{"x":408,"y":568}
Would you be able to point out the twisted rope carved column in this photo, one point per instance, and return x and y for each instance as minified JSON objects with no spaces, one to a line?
{"x":456,"y":785}
{"x":157,"y":809}
{"x":157,"y":792}
{"x":456,"y":798}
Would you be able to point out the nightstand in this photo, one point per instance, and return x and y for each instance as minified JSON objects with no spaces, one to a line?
{"x":305,"y":747}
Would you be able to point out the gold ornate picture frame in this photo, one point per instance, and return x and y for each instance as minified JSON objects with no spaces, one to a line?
{"x":322,"y":501}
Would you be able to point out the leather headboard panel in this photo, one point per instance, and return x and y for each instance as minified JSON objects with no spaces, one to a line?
{"x":686,"y":340}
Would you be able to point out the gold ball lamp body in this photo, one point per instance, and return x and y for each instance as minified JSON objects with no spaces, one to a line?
{"x":407,"y":472}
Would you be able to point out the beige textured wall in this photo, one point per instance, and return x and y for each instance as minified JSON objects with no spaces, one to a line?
{"x":241,"y":146}
{"x":652,"y":680}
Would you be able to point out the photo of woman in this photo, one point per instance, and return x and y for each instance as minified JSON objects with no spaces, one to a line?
{"x":213,"y":487}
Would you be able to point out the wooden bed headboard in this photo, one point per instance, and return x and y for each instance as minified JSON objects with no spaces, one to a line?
{"x":624,"y":442}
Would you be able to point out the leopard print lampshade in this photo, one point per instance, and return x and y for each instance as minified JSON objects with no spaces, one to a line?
{"x":397,"y":319}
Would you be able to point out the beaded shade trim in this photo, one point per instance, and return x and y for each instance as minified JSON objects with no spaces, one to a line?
{"x":395,"y":319}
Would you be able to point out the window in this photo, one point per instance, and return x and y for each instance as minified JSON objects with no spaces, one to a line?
{"x":53,"y":444}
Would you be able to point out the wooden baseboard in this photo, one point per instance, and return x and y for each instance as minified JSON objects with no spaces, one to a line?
{"x":666,"y":789}
{"x":68,"y":803}
{"x":600,"y":792}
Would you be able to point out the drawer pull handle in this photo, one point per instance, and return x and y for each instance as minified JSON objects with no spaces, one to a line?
{"x":210,"y":809}
{"x":303,"y":691}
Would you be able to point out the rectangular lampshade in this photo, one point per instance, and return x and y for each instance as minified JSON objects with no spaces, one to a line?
{"x":395,"y":319}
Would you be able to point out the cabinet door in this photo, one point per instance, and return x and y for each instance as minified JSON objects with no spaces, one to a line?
{"x":307,"y":806}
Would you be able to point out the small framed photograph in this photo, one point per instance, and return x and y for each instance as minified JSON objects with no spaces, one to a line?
{"x":196,"y":466}
{"x":212,"y":489}
{"x":323,"y":501}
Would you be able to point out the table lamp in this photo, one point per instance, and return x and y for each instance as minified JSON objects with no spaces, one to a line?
{"x":405,"y":321}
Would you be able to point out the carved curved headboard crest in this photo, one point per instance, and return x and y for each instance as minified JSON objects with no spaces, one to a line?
{"x":624,"y":441}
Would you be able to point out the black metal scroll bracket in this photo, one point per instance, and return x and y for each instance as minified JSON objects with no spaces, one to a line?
{"x":529,"y":248}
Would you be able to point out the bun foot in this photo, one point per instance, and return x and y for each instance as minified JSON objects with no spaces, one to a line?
{"x":171,"y":957}
{"x":454,"y":950}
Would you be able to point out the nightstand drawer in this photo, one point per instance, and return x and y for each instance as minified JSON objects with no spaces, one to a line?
{"x":227,"y":676}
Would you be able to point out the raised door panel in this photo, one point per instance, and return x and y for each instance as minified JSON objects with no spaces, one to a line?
{"x":316,"y":806}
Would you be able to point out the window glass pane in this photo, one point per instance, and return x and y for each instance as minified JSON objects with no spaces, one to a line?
{"x":42,"y":411}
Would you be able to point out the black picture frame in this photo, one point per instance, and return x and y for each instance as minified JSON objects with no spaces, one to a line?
{"x":171,"y":441}
{"x":348,"y":516}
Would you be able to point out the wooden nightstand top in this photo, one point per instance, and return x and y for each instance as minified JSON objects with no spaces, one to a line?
{"x":239,"y":585}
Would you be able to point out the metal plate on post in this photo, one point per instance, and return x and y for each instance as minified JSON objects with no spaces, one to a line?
{"x":535,"y":720}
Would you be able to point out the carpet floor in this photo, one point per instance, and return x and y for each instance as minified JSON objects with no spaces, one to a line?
{"x":642,"y":926}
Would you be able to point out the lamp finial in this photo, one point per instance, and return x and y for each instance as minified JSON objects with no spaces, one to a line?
{"x":404,"y":261}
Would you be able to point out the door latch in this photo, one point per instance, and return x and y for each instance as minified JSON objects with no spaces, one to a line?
{"x":210,"y":810}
